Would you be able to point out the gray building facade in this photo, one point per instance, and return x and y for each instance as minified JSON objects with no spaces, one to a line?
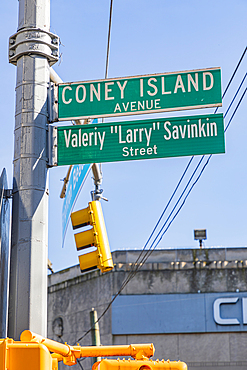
{"x":191,"y":303}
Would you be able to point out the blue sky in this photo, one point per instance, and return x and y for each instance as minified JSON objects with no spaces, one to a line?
{"x":147,"y":37}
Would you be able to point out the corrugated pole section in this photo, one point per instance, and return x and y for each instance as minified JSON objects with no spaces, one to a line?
{"x":95,"y":334}
{"x":31,"y":51}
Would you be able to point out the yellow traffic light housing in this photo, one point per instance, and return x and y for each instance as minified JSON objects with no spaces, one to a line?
{"x":139,"y":365}
{"x":25,"y":356}
{"x":94,"y":237}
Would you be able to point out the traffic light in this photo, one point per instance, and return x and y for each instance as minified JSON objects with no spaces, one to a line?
{"x":94,"y":237}
{"x":25,"y":356}
{"x":138,"y":365}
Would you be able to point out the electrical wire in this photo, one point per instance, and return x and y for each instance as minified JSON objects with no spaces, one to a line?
{"x":136,"y":266}
{"x":204,"y":166}
{"x":148,"y":253}
{"x":232,"y":116}
{"x":167,"y":205}
{"x":133,"y":268}
{"x":240,"y":61}
{"x":108,"y":41}
{"x":236,"y":109}
{"x":198,"y":177}
{"x":233,"y":75}
{"x":228,"y":85}
{"x":79,"y":363}
{"x":235,"y":95}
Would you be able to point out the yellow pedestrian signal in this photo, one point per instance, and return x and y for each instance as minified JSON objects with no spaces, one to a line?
{"x":139,"y":365}
{"x":94,"y":237}
{"x":25,"y":356}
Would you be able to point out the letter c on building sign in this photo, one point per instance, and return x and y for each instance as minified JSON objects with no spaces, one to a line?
{"x":216,"y":308}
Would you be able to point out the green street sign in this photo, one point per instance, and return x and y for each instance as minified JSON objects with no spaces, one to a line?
{"x":144,"y":139}
{"x":139,"y":94}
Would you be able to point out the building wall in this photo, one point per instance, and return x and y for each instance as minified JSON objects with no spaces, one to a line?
{"x":72,"y":295}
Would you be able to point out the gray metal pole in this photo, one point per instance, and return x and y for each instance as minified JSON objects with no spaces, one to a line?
{"x":95,"y":334}
{"x":31,"y":50}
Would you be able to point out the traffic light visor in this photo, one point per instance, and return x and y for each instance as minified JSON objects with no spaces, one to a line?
{"x":89,"y":261}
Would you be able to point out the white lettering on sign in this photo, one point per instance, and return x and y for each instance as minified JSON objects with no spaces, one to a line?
{"x":163,"y":89}
{"x":179,"y":84}
{"x":244,"y":310}
{"x":95,"y":92}
{"x":141,"y":87}
{"x":77,"y":139}
{"x":111,"y":90}
{"x":63,"y":95}
{"x":122,"y":88}
{"x":183,"y":83}
{"x":136,"y":134}
{"x":155,"y":89}
{"x":193,"y":82}
{"x":108,"y":90}
{"x":78,"y":92}
{"x":137,"y":105}
{"x":205,"y":80}
{"x":228,"y":321}
{"x":132,"y":152}
{"x":190,"y":131}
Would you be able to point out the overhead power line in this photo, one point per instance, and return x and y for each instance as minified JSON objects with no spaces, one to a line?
{"x":160,"y":234}
{"x":137,"y":265}
{"x":132,"y":273}
{"x":108,"y":41}
{"x":141,"y":260}
{"x":240,"y":61}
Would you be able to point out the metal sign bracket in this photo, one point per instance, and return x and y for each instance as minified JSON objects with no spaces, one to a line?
{"x":52,"y":103}
{"x":52,"y":146}
{"x":34,"y":41}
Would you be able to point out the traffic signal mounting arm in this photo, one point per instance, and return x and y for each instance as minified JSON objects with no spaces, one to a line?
{"x":70,"y":354}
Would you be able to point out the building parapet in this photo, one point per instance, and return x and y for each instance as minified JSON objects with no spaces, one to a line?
{"x":160,"y":260}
